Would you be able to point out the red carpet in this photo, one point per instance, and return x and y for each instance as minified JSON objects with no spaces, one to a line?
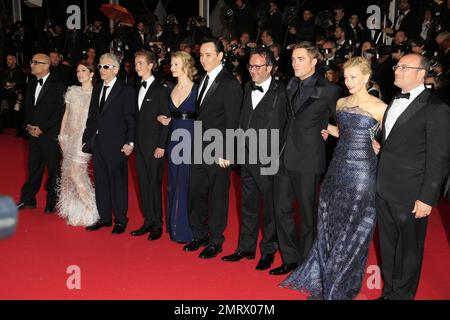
{"x":34,"y":261}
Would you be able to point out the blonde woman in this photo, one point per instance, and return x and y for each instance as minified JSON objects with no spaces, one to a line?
{"x":182,"y":98}
{"x":335,"y":266}
{"x":76,"y":195}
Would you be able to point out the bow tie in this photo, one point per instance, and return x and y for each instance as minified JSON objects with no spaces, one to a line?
{"x":41,"y":82}
{"x":144,"y":84}
{"x":402,"y":95}
{"x":255,"y":87}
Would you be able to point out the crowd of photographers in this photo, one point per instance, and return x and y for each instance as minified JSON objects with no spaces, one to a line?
{"x":339,"y":35}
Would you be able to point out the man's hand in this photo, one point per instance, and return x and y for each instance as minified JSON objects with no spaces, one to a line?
{"x":376,"y":147}
{"x":159,"y":153}
{"x":325,"y":134}
{"x":127,"y":149}
{"x":421,"y":209}
{"x":223,"y":163}
{"x":34,"y":131}
{"x":164,"y":120}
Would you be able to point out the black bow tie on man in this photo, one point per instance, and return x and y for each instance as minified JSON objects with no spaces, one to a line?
{"x":41,"y":82}
{"x":144,"y":84}
{"x":402,"y":96}
{"x":255,"y":87}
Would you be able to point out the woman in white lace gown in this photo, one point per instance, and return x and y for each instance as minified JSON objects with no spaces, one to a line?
{"x":76,"y":194}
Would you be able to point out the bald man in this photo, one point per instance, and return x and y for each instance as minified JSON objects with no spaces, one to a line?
{"x":414,"y":161}
{"x":43,"y":111}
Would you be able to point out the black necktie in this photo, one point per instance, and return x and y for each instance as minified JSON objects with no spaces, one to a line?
{"x":255,"y":87}
{"x":144,"y":84}
{"x":402,"y":95}
{"x":103,"y":99}
{"x":202,"y":91}
{"x":297,"y":93}
{"x":41,"y":82}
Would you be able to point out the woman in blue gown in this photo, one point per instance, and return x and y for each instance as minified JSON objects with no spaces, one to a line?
{"x":335,"y":266}
{"x":182,"y":98}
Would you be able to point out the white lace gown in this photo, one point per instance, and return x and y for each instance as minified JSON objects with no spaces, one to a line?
{"x":76,"y":197}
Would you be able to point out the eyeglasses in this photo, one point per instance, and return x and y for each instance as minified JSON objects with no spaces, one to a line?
{"x":255,"y":67}
{"x":403,"y":68}
{"x":105,"y":66}
{"x":37,"y":62}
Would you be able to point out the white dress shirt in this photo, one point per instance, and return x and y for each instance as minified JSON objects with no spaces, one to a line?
{"x":258,"y":95}
{"x":212,"y":76}
{"x":110,"y":85}
{"x":39,"y":88}
{"x":399,"y":106}
{"x":143,"y":91}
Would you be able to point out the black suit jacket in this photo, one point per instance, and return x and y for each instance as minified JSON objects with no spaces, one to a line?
{"x":221,"y":106}
{"x":415,"y":157}
{"x":115,"y":125}
{"x":411,"y":25}
{"x":304,"y":147}
{"x":270,"y":113}
{"x":49,"y":108}
{"x":150,"y":134}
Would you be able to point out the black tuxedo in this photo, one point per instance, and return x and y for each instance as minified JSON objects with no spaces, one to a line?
{"x":302,"y":163}
{"x":105,"y":134}
{"x":270,"y":113}
{"x":150,"y":134}
{"x":219,"y":110}
{"x":414,"y":162}
{"x":43,"y":151}
{"x":410,"y":25}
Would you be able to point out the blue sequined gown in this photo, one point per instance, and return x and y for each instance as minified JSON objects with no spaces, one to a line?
{"x":178,"y":174}
{"x":335,"y":266}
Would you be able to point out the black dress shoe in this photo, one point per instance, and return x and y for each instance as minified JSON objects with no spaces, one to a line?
{"x":141,"y":231}
{"x":265,"y":262}
{"x":99,"y":224}
{"x":283,"y":269}
{"x":195,"y":244}
{"x":238,"y":255}
{"x":155,"y":234}
{"x":210,"y":251}
{"x":119,"y":228}
{"x":23,"y":205}
{"x":49,"y":209}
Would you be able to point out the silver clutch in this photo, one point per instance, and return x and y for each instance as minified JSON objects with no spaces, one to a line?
{"x":374,"y":130}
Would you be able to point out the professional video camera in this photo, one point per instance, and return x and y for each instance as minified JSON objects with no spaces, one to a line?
{"x":289,"y":15}
{"x":401,"y":48}
{"x":231,"y":57}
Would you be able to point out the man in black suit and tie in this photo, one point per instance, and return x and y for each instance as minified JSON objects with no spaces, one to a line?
{"x":264,"y":108}
{"x":414,"y":162}
{"x":312,"y":101}
{"x":151,"y":140}
{"x":109,"y":135}
{"x":218,"y":107}
{"x":43,"y":111}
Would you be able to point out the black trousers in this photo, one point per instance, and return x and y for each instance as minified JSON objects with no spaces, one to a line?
{"x":43,"y":153}
{"x":402,"y":238}
{"x":111,"y":186}
{"x":150,"y":172}
{"x":257,"y":191}
{"x":303,"y":186}
{"x":208,"y":201}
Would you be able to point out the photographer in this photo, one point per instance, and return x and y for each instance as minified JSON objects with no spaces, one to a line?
{"x":98,"y":36}
{"x":306,"y":29}
{"x":197,"y":29}
{"x":12,"y":81}
{"x":275,"y":22}
{"x":244,"y":19}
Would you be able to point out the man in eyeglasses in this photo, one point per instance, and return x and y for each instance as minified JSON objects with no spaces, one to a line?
{"x":109,"y":136}
{"x":264,"y":108}
{"x":414,"y":161}
{"x":43,"y":111}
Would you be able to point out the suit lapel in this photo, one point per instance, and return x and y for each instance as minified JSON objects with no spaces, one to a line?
{"x":43,"y":90}
{"x":317,"y":92}
{"x":114,"y":91}
{"x":383,"y":126}
{"x":212,"y":89}
{"x":410,"y":111}
{"x":147,"y":94}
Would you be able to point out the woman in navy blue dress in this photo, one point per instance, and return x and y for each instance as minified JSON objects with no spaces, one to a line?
{"x":335,"y":266}
{"x":182,"y":98}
